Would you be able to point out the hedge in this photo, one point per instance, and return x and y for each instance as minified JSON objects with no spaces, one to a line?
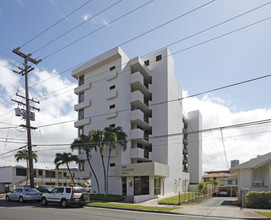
{"x":258,"y":200}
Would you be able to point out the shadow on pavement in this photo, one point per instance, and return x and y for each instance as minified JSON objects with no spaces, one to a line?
{"x":230,"y":203}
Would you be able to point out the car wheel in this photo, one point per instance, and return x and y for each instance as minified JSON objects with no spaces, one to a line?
{"x":7,"y":198}
{"x":21,"y":199}
{"x":44,"y":201}
{"x":64,"y":203}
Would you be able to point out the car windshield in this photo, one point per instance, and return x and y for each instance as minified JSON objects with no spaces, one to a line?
{"x":31,"y":190}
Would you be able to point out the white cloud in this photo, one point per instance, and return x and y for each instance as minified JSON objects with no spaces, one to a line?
{"x":240,"y":143}
{"x":95,"y":20}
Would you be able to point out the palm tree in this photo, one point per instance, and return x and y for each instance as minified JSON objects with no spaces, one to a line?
{"x":23,"y":155}
{"x":97,"y":136}
{"x":65,"y":158}
{"x":113,"y":137}
{"x":86,"y":144}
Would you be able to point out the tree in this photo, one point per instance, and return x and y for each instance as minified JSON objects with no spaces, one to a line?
{"x":23,"y":155}
{"x":114,"y":137}
{"x":98,"y":138}
{"x":65,"y":158}
{"x":87,"y":145}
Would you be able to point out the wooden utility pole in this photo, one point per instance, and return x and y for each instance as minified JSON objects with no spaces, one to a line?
{"x":24,"y":71}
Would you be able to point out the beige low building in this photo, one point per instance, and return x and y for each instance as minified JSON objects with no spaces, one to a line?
{"x":217,"y":176}
{"x":12,"y":177}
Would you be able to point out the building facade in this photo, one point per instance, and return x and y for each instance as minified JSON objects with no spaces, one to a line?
{"x":12,"y":177}
{"x":142,"y":96}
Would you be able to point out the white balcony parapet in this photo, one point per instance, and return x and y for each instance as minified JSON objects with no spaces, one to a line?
{"x":137,"y":83}
{"x":112,"y":75}
{"x":112,"y":94}
{"x":82,"y":122}
{"x":82,"y":88}
{"x":137,"y":153}
{"x":82,"y":105}
{"x":137,"y":64}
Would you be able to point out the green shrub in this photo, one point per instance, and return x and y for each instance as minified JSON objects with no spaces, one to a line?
{"x":201,"y":186}
{"x":258,"y":200}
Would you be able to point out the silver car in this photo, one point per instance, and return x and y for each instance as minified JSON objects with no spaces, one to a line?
{"x":24,"y":194}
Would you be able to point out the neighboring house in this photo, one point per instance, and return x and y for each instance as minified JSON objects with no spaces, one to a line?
{"x":142,"y":96}
{"x":217,"y":176}
{"x":15,"y":176}
{"x":255,"y":174}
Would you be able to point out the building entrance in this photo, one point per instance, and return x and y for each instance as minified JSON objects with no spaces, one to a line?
{"x":141,"y":185}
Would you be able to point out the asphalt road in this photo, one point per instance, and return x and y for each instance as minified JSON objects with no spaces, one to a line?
{"x":34,"y":211}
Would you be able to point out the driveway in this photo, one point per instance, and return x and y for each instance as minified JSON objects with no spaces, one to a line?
{"x":223,"y":207}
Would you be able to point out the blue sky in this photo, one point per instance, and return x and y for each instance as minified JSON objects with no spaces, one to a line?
{"x":236,"y":57}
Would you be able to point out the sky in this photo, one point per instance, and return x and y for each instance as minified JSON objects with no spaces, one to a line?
{"x":213,"y":44}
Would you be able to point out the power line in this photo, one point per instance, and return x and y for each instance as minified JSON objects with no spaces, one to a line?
{"x":92,"y":32}
{"x":55,"y":23}
{"x":76,"y":27}
{"x":171,"y":44}
{"x":225,"y":153}
{"x":12,"y":150}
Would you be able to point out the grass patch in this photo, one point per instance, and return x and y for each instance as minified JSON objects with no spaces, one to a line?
{"x":126,"y":206}
{"x":108,"y":198}
{"x":174,"y":200}
{"x":266,"y":214}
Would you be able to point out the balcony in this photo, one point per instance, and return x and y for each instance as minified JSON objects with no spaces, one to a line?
{"x":137,"y":101}
{"x":185,"y":141}
{"x":82,"y":88}
{"x":112,"y":94}
{"x":137,"y":117}
{"x":137,"y":83}
{"x":185,"y":150}
{"x":82,"y":122}
{"x":137,"y":65}
{"x":138,"y":136}
{"x":82,"y":105}
{"x":112,"y":75}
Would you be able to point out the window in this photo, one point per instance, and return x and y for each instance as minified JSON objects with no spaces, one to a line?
{"x":80,"y":131}
{"x":206,"y":179}
{"x":112,"y":87}
{"x":112,"y":164}
{"x":112,"y":106}
{"x":68,"y":190}
{"x":229,"y":182}
{"x":60,"y":190}
{"x":81,"y":80}
{"x":81,"y":114}
{"x":20,"y":172}
{"x":65,"y":174}
{"x":157,"y":186}
{"x":112,"y":125}
{"x":35,"y":173}
{"x":159,"y":57}
{"x":141,"y":185}
{"x":50,"y":174}
{"x":81,"y":165}
{"x":214,"y":178}
{"x":112,"y":68}
{"x":147,"y":62}
{"x":81,"y":97}
{"x":40,"y":173}
{"x":124,"y":185}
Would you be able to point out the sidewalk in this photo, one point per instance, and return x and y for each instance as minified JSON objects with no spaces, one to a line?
{"x":213,"y":207}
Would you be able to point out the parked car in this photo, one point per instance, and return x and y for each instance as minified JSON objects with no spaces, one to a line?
{"x":66,"y":196}
{"x":223,"y":192}
{"x":45,"y":189}
{"x":88,"y":187}
{"x":24,"y":194}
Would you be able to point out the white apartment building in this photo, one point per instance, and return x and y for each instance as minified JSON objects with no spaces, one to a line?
{"x":142,"y":96}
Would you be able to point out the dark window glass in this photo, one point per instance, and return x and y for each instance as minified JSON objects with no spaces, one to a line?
{"x":81,"y":97}
{"x":20,"y":172}
{"x":141,"y":185}
{"x":124,"y":185}
{"x":112,"y":125}
{"x":81,"y":114}
{"x":68,"y":190}
{"x":112,"y":164}
{"x":112,"y":106}
{"x":40,"y":172}
{"x":79,"y":190}
{"x":81,"y":80}
{"x":112,"y":87}
{"x":60,"y":190}
{"x":159,"y":57}
{"x":147,"y":62}
{"x":112,"y":68}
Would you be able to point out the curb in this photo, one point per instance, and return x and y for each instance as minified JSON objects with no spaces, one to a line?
{"x":163,"y":212}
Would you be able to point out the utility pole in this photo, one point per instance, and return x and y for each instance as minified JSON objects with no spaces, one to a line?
{"x":24,"y":72}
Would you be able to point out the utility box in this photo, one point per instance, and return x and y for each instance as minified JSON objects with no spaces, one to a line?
{"x":18,"y":112}
{"x":32,"y":116}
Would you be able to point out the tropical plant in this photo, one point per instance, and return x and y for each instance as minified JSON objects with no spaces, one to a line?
{"x":65,"y":158}
{"x":86,"y":144}
{"x":114,"y":137}
{"x":98,"y":138}
{"x":23,"y":155}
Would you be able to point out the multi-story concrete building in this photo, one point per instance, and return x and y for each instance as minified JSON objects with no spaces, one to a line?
{"x":142,"y":96}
